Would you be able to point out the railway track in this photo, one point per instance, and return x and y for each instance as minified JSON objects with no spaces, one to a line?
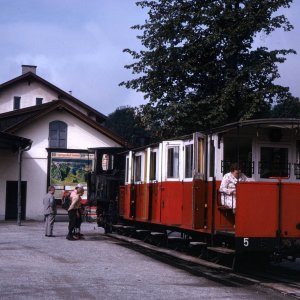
{"x":283,"y":278}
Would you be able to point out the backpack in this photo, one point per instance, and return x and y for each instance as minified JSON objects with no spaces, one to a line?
{"x":66,"y":202}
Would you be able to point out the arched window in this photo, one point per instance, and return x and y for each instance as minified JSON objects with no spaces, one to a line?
{"x":58,"y":134}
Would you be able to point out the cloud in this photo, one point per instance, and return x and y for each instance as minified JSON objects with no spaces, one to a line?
{"x":79,"y":47}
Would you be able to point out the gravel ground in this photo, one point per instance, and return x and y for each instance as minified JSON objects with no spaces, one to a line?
{"x":33,"y":266}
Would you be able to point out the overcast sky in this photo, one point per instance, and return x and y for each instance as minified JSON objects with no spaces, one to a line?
{"x":77,"y":45}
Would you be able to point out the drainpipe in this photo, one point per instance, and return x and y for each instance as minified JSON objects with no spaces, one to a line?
{"x":20,"y":152}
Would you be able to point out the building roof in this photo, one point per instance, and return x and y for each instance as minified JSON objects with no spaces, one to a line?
{"x":30,"y":76}
{"x":11,"y":121}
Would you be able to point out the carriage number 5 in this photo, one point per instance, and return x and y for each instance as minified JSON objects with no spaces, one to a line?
{"x":246,"y":242}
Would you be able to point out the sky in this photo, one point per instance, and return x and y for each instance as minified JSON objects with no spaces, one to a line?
{"x":78,"y":45}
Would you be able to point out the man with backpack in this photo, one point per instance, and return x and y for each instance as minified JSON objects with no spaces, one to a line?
{"x":74,"y":212}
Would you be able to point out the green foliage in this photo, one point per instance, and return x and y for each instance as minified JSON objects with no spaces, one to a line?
{"x":290,"y":108}
{"x":198,"y":69}
{"x":127,"y":123}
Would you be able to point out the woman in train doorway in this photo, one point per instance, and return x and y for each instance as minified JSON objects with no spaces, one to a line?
{"x":228,"y":186}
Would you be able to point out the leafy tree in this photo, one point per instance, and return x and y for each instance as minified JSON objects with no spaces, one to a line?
{"x":198,"y":69}
{"x":290,"y":108}
{"x":127,"y":123}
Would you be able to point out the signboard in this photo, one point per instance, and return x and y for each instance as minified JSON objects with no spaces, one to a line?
{"x":67,"y":169}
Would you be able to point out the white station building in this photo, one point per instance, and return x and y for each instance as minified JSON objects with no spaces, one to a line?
{"x":45,"y":134}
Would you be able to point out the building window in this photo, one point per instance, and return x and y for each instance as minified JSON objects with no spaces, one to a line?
{"x":39,"y":101}
{"x":17,"y":102}
{"x":58,"y":134}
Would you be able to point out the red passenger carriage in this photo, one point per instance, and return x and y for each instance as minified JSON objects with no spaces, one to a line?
{"x":175,"y":185}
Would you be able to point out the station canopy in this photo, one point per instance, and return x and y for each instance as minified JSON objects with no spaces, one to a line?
{"x":13,"y":142}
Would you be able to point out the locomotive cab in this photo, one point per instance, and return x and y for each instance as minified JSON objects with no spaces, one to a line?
{"x":104,"y":182}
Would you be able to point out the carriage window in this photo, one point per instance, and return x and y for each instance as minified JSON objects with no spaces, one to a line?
{"x":189,"y":161}
{"x":107,"y":162}
{"x":173,"y":162}
{"x":153,"y":166}
{"x":201,"y":156}
{"x":237,"y":150}
{"x":138,"y":168}
{"x":274,"y":162}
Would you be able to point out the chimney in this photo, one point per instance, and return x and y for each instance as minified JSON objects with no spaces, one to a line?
{"x":28,"y":68}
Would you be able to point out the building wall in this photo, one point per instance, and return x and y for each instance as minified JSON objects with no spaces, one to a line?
{"x":29,"y":93}
{"x":35,"y":161}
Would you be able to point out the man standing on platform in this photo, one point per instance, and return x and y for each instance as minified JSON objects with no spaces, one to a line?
{"x":49,"y":211}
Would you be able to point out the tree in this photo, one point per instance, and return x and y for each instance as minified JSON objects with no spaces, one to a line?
{"x":198,"y":68}
{"x":289,"y":108}
{"x":126,"y":122}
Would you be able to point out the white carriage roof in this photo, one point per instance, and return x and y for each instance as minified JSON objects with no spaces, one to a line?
{"x":259,"y":123}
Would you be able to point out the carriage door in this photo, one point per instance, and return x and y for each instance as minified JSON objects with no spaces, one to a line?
{"x":199,"y":184}
{"x":130,"y":188}
{"x":154,"y":208}
{"x":139,"y":184}
{"x":172,"y":183}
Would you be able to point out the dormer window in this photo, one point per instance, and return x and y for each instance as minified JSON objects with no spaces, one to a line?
{"x":17,"y":102}
{"x":39,"y":101}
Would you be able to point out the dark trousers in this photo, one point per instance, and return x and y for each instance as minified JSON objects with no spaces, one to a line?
{"x":72,"y":220}
{"x":78,"y":221}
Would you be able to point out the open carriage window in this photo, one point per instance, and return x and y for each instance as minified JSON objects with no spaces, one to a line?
{"x":273,"y":162}
{"x":189,"y":161}
{"x":238,"y":150}
{"x":173,"y":162}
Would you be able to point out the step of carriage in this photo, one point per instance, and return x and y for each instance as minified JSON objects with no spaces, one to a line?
{"x":158,"y":238}
{"x":197,"y":248}
{"x":197,"y":244}
{"x":129,"y":230}
{"x":221,"y":250}
{"x":177,"y":242}
{"x":142,"y":234}
{"x":118,"y":228}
